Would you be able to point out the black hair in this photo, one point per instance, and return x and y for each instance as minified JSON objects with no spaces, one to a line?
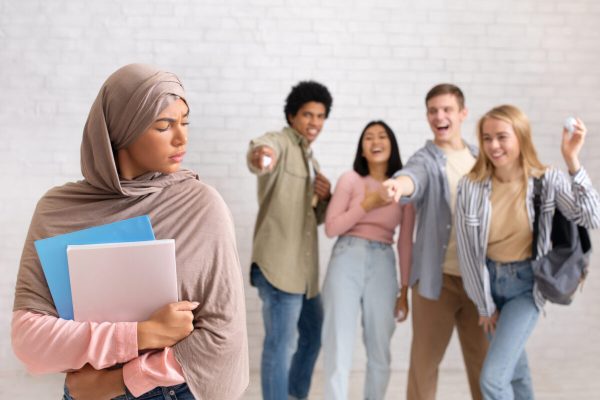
{"x":394,"y":163}
{"x":305,"y":92}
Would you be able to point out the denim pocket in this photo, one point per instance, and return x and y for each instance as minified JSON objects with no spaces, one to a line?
{"x":339,"y":247}
{"x":525,"y":274}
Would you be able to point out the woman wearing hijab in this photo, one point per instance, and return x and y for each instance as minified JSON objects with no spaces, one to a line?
{"x":133,"y":144}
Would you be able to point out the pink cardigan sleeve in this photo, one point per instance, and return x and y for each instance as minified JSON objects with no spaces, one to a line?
{"x":405,"y":242}
{"x":157,"y":368}
{"x":46,"y":344}
{"x":341,"y":215}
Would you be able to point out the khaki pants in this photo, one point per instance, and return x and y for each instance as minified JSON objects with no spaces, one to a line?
{"x":433,"y":323}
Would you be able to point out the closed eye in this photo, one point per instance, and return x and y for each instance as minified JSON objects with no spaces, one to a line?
{"x":162,"y":126}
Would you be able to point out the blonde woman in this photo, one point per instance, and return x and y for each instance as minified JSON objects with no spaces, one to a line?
{"x":494,"y":222}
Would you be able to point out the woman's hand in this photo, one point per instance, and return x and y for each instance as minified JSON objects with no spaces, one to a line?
{"x":90,"y":384}
{"x":489,"y":323}
{"x":401,"y":308}
{"x":167,"y":325}
{"x":375,"y":199}
{"x":571,"y":145}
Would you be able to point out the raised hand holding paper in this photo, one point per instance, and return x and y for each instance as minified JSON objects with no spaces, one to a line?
{"x":570,"y":124}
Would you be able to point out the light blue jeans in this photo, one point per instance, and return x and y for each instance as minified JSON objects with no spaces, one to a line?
{"x":292,"y":325}
{"x":361,"y":277}
{"x":505,"y":373}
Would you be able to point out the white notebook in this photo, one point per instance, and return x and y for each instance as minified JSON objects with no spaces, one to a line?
{"x":116,"y":282}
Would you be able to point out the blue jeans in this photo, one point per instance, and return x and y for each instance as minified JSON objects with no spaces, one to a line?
{"x":176,"y":392}
{"x":287,"y":316}
{"x":505,"y":373}
{"x":361,"y":277}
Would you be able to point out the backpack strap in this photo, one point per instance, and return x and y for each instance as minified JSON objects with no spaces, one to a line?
{"x":537,"y":205}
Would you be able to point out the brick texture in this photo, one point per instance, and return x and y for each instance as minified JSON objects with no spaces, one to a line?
{"x":238,"y":59}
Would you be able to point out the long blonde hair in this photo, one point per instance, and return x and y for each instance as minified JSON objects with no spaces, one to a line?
{"x":483,"y":168}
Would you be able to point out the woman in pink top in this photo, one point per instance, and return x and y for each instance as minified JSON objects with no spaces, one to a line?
{"x":134,"y":142}
{"x":362,"y":275}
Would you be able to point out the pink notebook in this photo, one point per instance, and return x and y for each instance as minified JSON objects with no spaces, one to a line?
{"x":117,"y":282}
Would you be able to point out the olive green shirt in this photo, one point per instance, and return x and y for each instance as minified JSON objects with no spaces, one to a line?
{"x":285,"y":235}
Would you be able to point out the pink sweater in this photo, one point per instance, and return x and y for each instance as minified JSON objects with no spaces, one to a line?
{"x":46,"y":344}
{"x":345,"y":216}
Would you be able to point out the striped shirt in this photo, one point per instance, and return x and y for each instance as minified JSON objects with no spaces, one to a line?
{"x":573,"y":195}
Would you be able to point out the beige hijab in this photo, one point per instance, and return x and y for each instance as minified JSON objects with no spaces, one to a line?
{"x":214,"y":357}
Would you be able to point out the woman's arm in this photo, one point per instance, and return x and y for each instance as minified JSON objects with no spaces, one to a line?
{"x":571,"y":145}
{"x":341,"y":215}
{"x":475,"y":276}
{"x":47,"y":344}
{"x":404,"y":245}
{"x":150,"y":370}
{"x":575,"y":196}
{"x":140,"y":375}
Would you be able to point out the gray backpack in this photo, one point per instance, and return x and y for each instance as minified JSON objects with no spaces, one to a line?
{"x":559,"y":272}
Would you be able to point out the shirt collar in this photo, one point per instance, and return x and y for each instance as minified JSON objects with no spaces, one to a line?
{"x":296,"y":137}
{"x":432,"y":147}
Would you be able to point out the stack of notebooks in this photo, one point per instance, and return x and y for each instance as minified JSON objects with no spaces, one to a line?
{"x":110,"y":273}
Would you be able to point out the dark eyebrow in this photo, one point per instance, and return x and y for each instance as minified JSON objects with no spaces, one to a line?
{"x":172,"y":120}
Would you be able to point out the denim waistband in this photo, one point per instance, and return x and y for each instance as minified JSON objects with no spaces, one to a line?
{"x":158,"y":391}
{"x":356,"y":241}
{"x":511,"y":266}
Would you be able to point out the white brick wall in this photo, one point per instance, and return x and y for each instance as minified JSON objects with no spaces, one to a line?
{"x":238,"y":60}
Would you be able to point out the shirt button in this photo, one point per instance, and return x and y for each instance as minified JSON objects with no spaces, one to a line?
{"x":448,"y":226}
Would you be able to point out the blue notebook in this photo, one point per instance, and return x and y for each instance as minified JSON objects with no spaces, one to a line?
{"x":53,"y":254}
